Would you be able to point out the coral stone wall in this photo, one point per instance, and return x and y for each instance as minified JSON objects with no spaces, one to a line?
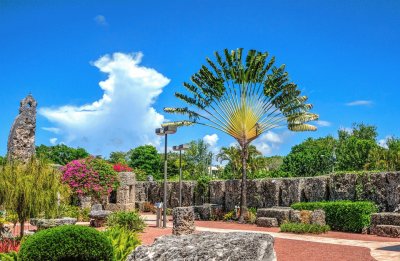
{"x":382,"y":188}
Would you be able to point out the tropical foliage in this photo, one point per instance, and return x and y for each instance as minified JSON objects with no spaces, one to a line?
{"x":90,"y":177}
{"x":145,"y":158}
{"x":30,"y":189}
{"x":243,"y":98}
{"x":60,"y":154}
{"x":124,"y":241}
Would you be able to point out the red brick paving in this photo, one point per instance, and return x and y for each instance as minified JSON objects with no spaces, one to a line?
{"x":286,"y":250}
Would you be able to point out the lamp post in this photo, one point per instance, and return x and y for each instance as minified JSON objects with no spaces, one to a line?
{"x":180,"y":148}
{"x":164,"y":131}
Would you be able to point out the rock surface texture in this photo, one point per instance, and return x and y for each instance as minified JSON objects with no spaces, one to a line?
{"x":267,"y":222}
{"x":237,"y":246}
{"x":21,"y":141}
{"x":98,"y":215}
{"x":42,"y":223}
{"x":183,"y":221}
{"x":386,"y":224}
{"x":382,"y":188}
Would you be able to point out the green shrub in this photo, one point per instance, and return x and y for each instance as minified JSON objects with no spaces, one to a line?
{"x":124,"y":242}
{"x":74,"y":212}
{"x":70,"y":242}
{"x":230,"y":216}
{"x":300,"y":228}
{"x":345,"y":216}
{"x":10,"y":256}
{"x":130,"y":220}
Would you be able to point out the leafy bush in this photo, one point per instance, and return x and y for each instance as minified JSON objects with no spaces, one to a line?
{"x":130,"y":220}
{"x":82,"y":215}
{"x":11,"y":256}
{"x":343,"y":215}
{"x":90,"y":177}
{"x":70,"y":242}
{"x":124,"y":242}
{"x":300,"y":228}
{"x":230,"y":216}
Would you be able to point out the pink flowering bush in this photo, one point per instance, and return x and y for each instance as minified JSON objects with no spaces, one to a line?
{"x":119,"y":167}
{"x":90,"y":177}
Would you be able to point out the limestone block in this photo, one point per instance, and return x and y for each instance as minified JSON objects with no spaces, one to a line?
{"x":234,"y":246}
{"x":183,"y":221}
{"x":342,"y":187}
{"x":267,"y":222}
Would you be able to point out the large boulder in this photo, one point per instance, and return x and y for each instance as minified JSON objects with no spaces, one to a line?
{"x":290,"y":191}
{"x":282,"y":214}
{"x":385,"y":219}
{"x":272,"y":192}
{"x":217,"y":192}
{"x":342,"y":187}
{"x":237,"y":246}
{"x":183,"y":221}
{"x":98,"y":215}
{"x":314,"y":189}
{"x":208,"y":212}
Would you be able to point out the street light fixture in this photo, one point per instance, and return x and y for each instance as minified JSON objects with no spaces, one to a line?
{"x":164,"y":131}
{"x":180,"y":148}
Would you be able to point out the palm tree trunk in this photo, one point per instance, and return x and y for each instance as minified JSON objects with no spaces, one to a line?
{"x":243,"y":197}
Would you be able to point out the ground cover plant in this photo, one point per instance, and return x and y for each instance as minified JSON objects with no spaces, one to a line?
{"x":302,"y":228}
{"x":124,"y":241}
{"x":345,"y":216}
{"x":130,"y":220}
{"x":70,"y":242}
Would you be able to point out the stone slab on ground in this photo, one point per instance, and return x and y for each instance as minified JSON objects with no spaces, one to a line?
{"x":387,"y":231}
{"x":98,"y":215}
{"x":43,"y":223}
{"x":236,"y":246}
{"x":267,"y":222}
{"x":282,"y":214}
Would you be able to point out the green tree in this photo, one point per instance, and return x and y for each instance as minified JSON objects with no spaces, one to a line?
{"x":310,"y":158}
{"x":197,"y":158}
{"x":30,"y":189}
{"x":243,"y":98}
{"x":118,"y":157}
{"x":355,"y":146}
{"x":60,"y":154}
{"x":147,"y":159}
{"x":385,"y":158}
{"x":2,"y":160}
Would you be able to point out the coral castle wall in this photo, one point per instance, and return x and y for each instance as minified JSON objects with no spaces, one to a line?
{"x":382,"y":188}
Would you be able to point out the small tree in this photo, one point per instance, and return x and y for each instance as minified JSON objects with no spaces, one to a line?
{"x":147,"y":159}
{"x":30,"y":189}
{"x":243,"y":97}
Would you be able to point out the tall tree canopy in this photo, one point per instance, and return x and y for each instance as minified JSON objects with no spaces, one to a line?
{"x":60,"y":154}
{"x":243,"y":97}
{"x":146,"y":158}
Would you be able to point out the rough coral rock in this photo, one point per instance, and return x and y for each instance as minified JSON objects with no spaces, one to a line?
{"x":21,"y":141}
{"x":385,"y":218}
{"x":183,"y":221}
{"x":267,"y":222}
{"x":282,"y":214}
{"x":318,"y":217}
{"x":237,"y":246}
{"x":43,"y":223}
{"x":98,"y":215}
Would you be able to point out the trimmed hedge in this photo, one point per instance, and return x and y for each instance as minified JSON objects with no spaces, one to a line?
{"x":301,"y":228}
{"x":71,"y":242}
{"x":345,"y":216}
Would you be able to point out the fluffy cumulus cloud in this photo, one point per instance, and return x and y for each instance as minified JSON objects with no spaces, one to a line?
{"x":269,"y":142}
{"x":360,"y":103}
{"x":212,"y":141}
{"x":123,"y":117}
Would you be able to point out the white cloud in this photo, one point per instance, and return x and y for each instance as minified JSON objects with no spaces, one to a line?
{"x":100,"y":20}
{"x":53,"y":141}
{"x":360,"y":103}
{"x":323,"y":123}
{"x":269,"y":142}
{"x":211,"y":139}
{"x":124,"y":117}
{"x":52,"y":130}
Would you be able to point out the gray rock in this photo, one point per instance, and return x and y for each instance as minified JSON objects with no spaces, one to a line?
{"x":208,"y":212}
{"x":217,"y":192}
{"x":21,"y":140}
{"x":384,"y":218}
{"x":43,"y":223}
{"x":290,"y":191}
{"x":282,"y":214}
{"x":232,"y":194}
{"x":342,"y":187}
{"x":393,"y":190}
{"x":318,"y":217}
{"x":272,"y":192}
{"x":98,"y":215}
{"x":267,"y":222}
{"x":255,"y":190}
{"x":387,"y":231}
{"x":295,"y":216}
{"x":314,"y":189}
{"x":183,"y":221}
{"x":237,"y":246}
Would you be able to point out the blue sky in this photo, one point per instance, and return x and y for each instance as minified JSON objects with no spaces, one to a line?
{"x":340,"y":53}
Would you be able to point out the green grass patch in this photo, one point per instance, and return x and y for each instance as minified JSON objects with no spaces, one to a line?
{"x":300,"y":228}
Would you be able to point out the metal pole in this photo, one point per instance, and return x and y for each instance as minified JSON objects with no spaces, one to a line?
{"x":180,"y":178}
{"x":165,"y":183}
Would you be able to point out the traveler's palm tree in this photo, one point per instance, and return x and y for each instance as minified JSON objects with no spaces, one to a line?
{"x":243,"y":98}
